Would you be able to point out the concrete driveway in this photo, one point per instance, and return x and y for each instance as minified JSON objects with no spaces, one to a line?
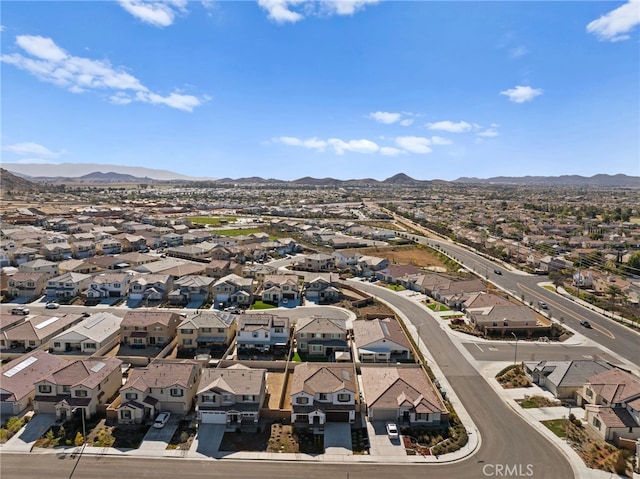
{"x":208,"y":439}
{"x":158,"y":439}
{"x":29,"y":434}
{"x":380,"y":443}
{"x":337,"y":438}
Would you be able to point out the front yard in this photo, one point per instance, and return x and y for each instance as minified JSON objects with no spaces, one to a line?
{"x":513,"y":377}
{"x":184,"y":435}
{"x":530,"y":402}
{"x":273,"y":437}
{"x":99,"y":434}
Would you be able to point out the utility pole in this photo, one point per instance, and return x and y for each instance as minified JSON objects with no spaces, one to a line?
{"x":515,"y":354}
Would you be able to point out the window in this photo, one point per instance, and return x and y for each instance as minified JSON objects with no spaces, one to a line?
{"x":302,"y":400}
{"x":187,"y":342}
{"x":208,"y":398}
{"x":303,"y":346}
{"x":322,"y":396}
{"x":206,"y":330}
{"x":131,"y":396}
{"x":278,"y":330}
{"x":335,"y":335}
{"x":44,"y":388}
{"x":589,"y":393}
{"x":90,"y":345}
{"x":344,"y":397}
{"x":596,"y":423}
{"x":303,"y":335}
{"x":32,"y":343}
{"x":81,"y":393}
{"x":248,"y":398}
{"x":56,"y":344}
{"x":254,"y":334}
{"x":177,"y":392}
{"x":158,"y":328}
{"x":125,"y":414}
{"x":126,"y":328}
{"x":421,"y":416}
{"x":226,"y":397}
{"x":66,"y":389}
{"x":302,"y":417}
{"x":317,"y":348}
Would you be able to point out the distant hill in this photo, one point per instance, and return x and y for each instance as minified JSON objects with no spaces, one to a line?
{"x":564,"y":180}
{"x":111,"y":177}
{"x":12,"y":183}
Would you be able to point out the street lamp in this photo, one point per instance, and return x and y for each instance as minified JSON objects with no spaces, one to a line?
{"x":515,"y":354}
{"x":84,"y":430}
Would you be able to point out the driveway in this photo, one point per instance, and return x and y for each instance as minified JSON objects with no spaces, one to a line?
{"x":380,"y":443}
{"x":158,"y":439}
{"x":29,"y":434}
{"x":337,"y":438}
{"x":208,"y":439}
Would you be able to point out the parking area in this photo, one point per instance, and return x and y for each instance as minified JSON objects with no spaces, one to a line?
{"x":337,"y":438}
{"x":380,"y":444}
{"x":158,"y":439}
{"x":30,"y":433}
{"x":207,"y":441}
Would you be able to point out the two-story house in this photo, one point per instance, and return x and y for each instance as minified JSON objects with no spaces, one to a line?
{"x":323,"y":289}
{"x":233,"y":290}
{"x":317,"y":262}
{"x":82,"y":384}
{"x":109,"y":285}
{"x":56,"y":251}
{"x":27,"y":285}
{"x":67,"y":285}
{"x":263,"y":332}
{"x":232,"y":396}
{"x":192,"y":288}
{"x":50,"y":268}
{"x":281,"y":289}
{"x":206,"y":331}
{"x":321,"y":394}
{"x":150,"y":287}
{"x":140,"y":329}
{"x":83,"y":249}
{"x":160,"y":386}
{"x":321,"y":337}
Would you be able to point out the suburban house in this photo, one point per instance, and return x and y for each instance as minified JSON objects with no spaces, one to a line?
{"x":232,"y":396}
{"x":83,"y":249}
{"x":317,"y":262}
{"x":22,"y":254}
{"x":564,"y":378}
{"x":19,"y":376}
{"x":89,"y":336}
{"x":346,"y":258}
{"x":192,"y":288}
{"x":322,"y":289}
{"x":218,"y":268}
{"x":281,"y":289}
{"x":56,"y":251}
{"x":501,"y":320}
{"x":264,"y":332}
{"x":109,"y":246}
{"x":40,"y":266}
{"x":27,"y":285}
{"x":160,"y":386}
{"x":206,"y":331}
{"x":402,"y":395}
{"x":82,"y":384}
{"x":130,"y":242}
{"x":455,"y":293}
{"x":381,"y":340}
{"x":368,"y":265}
{"x":321,"y":394}
{"x":321,"y":337}
{"x":68,"y":285}
{"x":140,"y":329}
{"x":233,"y":290}
{"x":150,"y":287}
{"x":82,"y":266}
{"x":110,"y":285}
{"x":36,"y":331}
{"x":611,"y":401}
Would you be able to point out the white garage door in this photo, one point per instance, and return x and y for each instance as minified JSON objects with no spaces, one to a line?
{"x":213,"y":417}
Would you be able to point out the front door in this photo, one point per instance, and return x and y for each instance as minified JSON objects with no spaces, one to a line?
{"x":63,"y":415}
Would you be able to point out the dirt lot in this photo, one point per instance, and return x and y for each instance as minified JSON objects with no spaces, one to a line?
{"x":274,"y":386}
{"x":418,"y":256}
{"x":272,"y":437}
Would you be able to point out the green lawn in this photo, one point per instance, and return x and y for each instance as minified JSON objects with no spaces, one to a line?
{"x":211,"y":220}
{"x":296,"y":358}
{"x":538,"y":401}
{"x":396,"y":287}
{"x":438,"y":307}
{"x":261,"y":305}
{"x":550,"y":288}
{"x":238,"y":232}
{"x":557,"y":426}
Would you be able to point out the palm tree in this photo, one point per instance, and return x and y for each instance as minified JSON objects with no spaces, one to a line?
{"x":614,"y":291}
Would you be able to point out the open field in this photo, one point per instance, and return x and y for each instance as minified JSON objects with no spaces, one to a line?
{"x":415,"y":255}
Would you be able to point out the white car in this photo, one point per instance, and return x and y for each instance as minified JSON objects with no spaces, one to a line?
{"x":392,"y":431}
{"x":52,"y":305}
{"x":20,"y":310}
{"x":161,"y":420}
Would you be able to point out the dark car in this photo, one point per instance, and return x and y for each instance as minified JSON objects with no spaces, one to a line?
{"x":497,"y":271}
{"x":543,"y":305}
{"x":585,"y":323}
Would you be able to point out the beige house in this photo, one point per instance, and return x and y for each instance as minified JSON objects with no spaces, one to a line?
{"x":323,"y":337}
{"x":27,"y":285}
{"x":140,"y":329}
{"x":206,"y":331}
{"x":36,"y":331}
{"x":160,"y":386}
{"x":281,"y":289}
{"x":381,"y":340}
{"x":81,"y":384}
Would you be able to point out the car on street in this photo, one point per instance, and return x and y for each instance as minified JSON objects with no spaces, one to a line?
{"x":497,"y":271}
{"x":161,"y":420}
{"x":543,"y":305}
{"x":392,"y":430}
{"x":585,"y":323}
{"x":20,"y":310}
{"x":52,"y":305}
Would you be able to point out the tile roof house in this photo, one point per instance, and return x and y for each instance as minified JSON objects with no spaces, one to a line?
{"x":19,"y":376}
{"x":68,"y":285}
{"x":40,"y":266}
{"x":321,"y":337}
{"x":381,"y":340}
{"x":192,"y":288}
{"x":140,"y":329}
{"x":231,"y":396}
{"x":323,"y":289}
{"x":264,"y":332}
{"x":36,"y":331}
{"x":98,"y":331}
{"x":84,"y":384}
{"x":233,"y":290}
{"x":160,"y":386}
{"x":27,"y":285}
{"x":564,"y":378}
{"x":150,"y":287}
{"x":109,"y":285}
{"x":501,"y":320}
{"x":403,"y":395}
{"x":321,"y":394}
{"x":206,"y":331}
{"x":281,"y":289}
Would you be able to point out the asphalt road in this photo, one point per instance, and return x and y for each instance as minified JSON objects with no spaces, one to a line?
{"x":506,"y":351}
{"x":506,"y":437}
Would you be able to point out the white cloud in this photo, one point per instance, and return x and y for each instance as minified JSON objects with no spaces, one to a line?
{"x":311,"y":143}
{"x":518,"y":52}
{"x":292,"y":11}
{"x":30,"y":161}
{"x":31,"y":149}
{"x":385,"y":117}
{"x":489,"y":133}
{"x":54,"y":65}
{"x":438,"y":140}
{"x":390,"y":151}
{"x":450,"y":126}
{"x":414,"y":144}
{"x":521,"y":94}
{"x":406,"y":122}
{"x":158,"y":14}
{"x":615,"y":25}
{"x":2,"y":27}
{"x":356,"y":146}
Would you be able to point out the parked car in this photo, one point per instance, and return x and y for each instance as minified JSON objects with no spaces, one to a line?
{"x":585,"y":323}
{"x":543,"y":305}
{"x":52,"y":305}
{"x":392,"y":430}
{"x":161,"y":420}
{"x":497,"y":271}
{"x":20,"y":310}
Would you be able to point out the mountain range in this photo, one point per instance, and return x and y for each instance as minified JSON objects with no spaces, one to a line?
{"x":96,"y":173}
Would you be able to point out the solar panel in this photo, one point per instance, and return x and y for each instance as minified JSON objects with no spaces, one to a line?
{"x":47,"y":322}
{"x":20,"y":366}
{"x":93,"y":321}
{"x":345,"y":375}
{"x":98,"y":366}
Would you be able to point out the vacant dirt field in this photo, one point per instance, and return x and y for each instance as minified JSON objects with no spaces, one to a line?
{"x":421,"y":257}
{"x":274,"y":386}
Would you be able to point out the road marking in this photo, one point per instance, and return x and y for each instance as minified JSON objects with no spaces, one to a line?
{"x":493,"y":349}
{"x":479,"y":347}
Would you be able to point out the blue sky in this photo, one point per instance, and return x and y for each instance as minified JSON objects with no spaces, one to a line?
{"x":352,"y":89}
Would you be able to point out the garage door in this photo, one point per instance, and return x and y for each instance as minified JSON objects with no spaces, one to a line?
{"x":337,"y":416}
{"x":213,"y":417}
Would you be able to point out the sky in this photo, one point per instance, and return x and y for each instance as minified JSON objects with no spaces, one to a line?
{"x":349,"y":89}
